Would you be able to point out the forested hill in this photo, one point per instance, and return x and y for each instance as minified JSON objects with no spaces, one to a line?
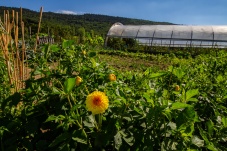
{"x":67,"y":26}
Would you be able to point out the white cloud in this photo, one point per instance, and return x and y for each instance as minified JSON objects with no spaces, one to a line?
{"x":67,"y":12}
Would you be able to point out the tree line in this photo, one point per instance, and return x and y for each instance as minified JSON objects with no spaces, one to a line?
{"x":71,"y":26}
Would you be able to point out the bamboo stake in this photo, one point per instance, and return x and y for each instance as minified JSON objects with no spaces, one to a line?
{"x":5,"y":38}
{"x":17,"y":51}
{"x":20,"y":14}
{"x":37,"y":35}
{"x":19,"y":60}
{"x":23,"y":47}
{"x":13,"y":18}
{"x":23,"y":51}
{"x":4,"y":18}
{"x":14,"y":58}
{"x":8,"y":27}
{"x":11,"y":52}
{"x":17,"y":69}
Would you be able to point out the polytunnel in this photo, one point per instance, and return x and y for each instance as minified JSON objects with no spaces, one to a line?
{"x":172,"y":35}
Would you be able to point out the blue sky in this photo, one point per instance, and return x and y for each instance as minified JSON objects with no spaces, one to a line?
{"x":190,"y":12}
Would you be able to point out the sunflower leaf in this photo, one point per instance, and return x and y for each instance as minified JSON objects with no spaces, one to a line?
{"x":61,"y":138}
{"x":69,"y":85}
{"x":118,"y":141}
{"x":79,"y":136}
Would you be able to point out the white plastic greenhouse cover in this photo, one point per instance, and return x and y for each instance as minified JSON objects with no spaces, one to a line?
{"x":172,"y":35}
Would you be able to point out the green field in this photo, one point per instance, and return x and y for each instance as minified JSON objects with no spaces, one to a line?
{"x":84,"y":99}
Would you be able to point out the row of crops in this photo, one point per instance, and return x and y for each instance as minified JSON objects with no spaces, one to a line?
{"x":77,"y":102}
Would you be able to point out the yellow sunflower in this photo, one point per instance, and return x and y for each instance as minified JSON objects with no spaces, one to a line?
{"x":112,"y":77}
{"x":84,"y":52}
{"x":97,"y":102}
{"x":177,"y":88}
{"x":78,"y":80}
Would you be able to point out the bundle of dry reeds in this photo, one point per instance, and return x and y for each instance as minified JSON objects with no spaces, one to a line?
{"x":14,"y":56}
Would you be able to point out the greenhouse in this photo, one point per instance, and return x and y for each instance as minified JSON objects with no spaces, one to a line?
{"x":172,"y":35}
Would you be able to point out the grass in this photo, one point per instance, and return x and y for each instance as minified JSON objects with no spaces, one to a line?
{"x":132,"y":63}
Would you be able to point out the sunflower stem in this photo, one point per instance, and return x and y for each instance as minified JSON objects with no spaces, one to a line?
{"x":100,"y":121}
{"x":86,"y":89}
{"x":69,"y":101}
{"x":77,"y":112}
{"x":78,"y":123}
{"x":85,"y":134}
{"x":96,"y":123}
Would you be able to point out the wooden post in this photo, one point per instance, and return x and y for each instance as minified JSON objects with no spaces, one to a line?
{"x":37,"y":35}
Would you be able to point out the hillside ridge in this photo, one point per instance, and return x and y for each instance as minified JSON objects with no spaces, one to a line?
{"x":67,"y":25}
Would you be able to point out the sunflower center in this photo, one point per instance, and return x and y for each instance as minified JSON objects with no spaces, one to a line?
{"x":97,"y":101}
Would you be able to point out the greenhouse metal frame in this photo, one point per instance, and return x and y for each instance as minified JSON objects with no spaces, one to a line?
{"x":172,"y":35}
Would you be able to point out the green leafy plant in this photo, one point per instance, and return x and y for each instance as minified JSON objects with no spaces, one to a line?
{"x":145,"y":110}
